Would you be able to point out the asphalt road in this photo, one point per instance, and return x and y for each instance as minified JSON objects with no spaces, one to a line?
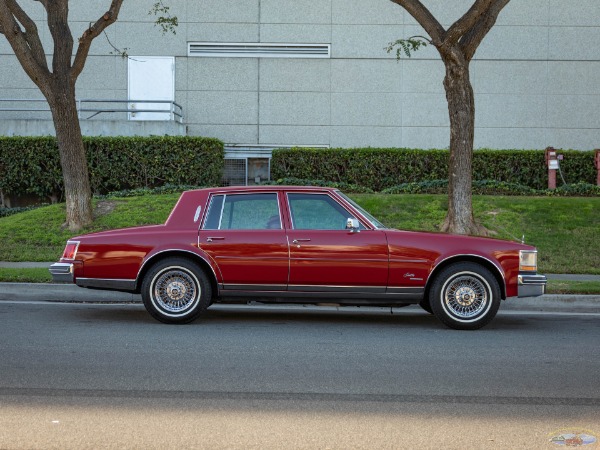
{"x":109,"y":376}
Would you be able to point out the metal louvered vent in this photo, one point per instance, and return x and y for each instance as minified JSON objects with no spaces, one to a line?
{"x":258,"y":50}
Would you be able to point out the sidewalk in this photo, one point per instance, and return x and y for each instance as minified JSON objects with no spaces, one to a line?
{"x":68,"y":293}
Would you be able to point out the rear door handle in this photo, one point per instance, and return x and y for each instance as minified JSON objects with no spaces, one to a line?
{"x":214,"y":238}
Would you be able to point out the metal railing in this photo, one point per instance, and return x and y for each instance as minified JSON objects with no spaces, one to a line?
{"x":90,"y":108}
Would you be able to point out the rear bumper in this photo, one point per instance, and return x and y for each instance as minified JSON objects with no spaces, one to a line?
{"x":532,"y":285}
{"x":62,"y":272}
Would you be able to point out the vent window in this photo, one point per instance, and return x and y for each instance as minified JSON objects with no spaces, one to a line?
{"x":258,"y":50}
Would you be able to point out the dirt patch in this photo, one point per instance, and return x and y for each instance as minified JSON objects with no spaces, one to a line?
{"x":104,"y":207}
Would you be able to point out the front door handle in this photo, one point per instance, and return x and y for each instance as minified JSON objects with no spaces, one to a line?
{"x":214,"y":238}
{"x":297,"y":241}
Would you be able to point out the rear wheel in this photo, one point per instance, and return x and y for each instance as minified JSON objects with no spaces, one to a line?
{"x":465,"y":296}
{"x":176,"y":290}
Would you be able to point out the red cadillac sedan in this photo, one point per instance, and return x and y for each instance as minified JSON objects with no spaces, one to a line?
{"x":298,"y":245}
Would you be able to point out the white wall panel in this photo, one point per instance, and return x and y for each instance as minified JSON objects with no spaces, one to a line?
{"x":425,"y":110}
{"x":372,"y":75}
{"x":536,"y":75}
{"x":294,"y":108}
{"x":568,"y":13}
{"x":219,"y":11}
{"x":222,"y":74}
{"x":295,"y":33}
{"x":295,"y":75}
{"x":381,"y":109}
{"x":357,"y":136}
{"x":360,"y":12}
{"x":509,"y":110}
{"x":222,"y":107}
{"x":294,"y":135}
{"x":295,"y":11}
{"x":574,"y":111}
{"x":232,"y":134}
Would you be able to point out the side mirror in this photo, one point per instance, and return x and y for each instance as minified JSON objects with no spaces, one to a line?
{"x":353,"y":225}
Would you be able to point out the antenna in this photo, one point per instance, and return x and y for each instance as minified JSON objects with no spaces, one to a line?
{"x":523,"y":239}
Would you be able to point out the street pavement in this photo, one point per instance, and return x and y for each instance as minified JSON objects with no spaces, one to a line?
{"x":77,"y":376}
{"x":82,"y":368}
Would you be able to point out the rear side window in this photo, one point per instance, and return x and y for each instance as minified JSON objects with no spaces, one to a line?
{"x":243,"y":212}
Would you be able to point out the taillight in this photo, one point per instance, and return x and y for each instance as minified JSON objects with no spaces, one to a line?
{"x":70,"y":250}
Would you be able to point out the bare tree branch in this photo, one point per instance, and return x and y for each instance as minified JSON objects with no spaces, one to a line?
{"x":44,"y":3}
{"x":85,"y":41}
{"x":467,"y":21}
{"x":31,"y":34}
{"x":26,"y":44}
{"x":422,"y":15}
{"x":473,"y":37}
{"x":58,"y":24}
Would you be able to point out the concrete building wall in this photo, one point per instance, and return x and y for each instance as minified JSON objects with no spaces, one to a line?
{"x":536,"y":75}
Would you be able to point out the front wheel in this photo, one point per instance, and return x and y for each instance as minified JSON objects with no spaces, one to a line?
{"x":465,"y":296}
{"x":176,"y":290}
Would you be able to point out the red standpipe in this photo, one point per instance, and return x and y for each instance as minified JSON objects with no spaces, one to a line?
{"x":597,"y":165}
{"x":552,"y":163}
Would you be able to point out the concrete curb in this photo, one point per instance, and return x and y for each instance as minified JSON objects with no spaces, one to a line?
{"x":69,"y":293}
{"x":61,"y":293}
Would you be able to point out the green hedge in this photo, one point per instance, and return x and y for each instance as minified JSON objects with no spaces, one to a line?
{"x":381,"y":168}
{"x":31,"y":165}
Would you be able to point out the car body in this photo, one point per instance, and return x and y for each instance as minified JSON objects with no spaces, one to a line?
{"x":297,"y":244}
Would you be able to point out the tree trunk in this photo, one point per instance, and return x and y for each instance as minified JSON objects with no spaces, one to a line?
{"x":72,"y":156}
{"x":461,"y":108}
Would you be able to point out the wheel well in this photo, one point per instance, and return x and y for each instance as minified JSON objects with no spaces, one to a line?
{"x":185,"y":255}
{"x":468,"y":258}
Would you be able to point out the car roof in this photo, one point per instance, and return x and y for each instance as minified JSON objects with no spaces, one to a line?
{"x":262,"y":188}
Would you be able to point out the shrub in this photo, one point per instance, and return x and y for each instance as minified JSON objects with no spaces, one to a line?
{"x":5,"y":212}
{"x":493,"y":187}
{"x":115,"y":163}
{"x":351,"y":188}
{"x":379,"y":169}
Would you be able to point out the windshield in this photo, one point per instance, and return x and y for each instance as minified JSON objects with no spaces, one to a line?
{"x":372,"y":219}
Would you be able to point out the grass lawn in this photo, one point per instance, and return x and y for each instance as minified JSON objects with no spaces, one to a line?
{"x":564,"y":229}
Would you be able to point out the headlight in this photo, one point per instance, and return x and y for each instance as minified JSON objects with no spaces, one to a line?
{"x":528,"y":261}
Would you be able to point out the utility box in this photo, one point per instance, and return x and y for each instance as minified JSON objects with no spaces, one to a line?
{"x":246,"y":166}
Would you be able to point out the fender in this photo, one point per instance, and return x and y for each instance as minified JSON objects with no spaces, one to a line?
{"x":165,"y":250}
{"x":443,"y":261}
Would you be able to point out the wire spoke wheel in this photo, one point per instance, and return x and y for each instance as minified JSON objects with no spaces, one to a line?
{"x":465,"y":296}
{"x":175,"y":290}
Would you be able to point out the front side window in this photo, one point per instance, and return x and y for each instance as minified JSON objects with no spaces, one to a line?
{"x":317,"y":212}
{"x":243,"y":212}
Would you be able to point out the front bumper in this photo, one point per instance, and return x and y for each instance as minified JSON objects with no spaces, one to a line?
{"x":532,"y":285}
{"x":62,"y":272}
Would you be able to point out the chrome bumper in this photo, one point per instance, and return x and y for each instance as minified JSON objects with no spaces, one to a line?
{"x":62,"y":272}
{"x":532,"y":285}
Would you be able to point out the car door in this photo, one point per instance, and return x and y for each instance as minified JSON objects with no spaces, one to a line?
{"x":243,"y":234}
{"x":327,"y":257}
